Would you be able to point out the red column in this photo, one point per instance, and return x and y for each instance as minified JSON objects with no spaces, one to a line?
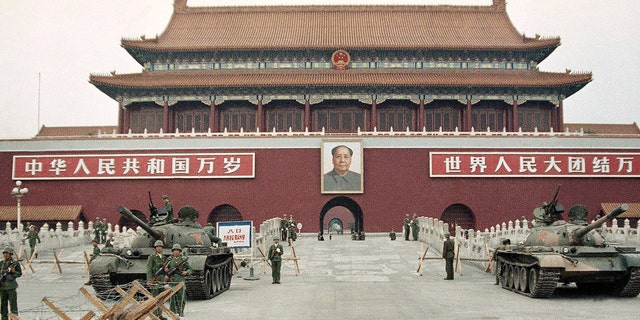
{"x":420,"y":123}
{"x":120,"y":118}
{"x":559,"y":117}
{"x":212,"y":117}
{"x":260,"y":124}
{"x":467,"y":116}
{"x":307,"y":114}
{"x":514,"y":119}
{"x":374,"y":116}
{"x":165,"y":117}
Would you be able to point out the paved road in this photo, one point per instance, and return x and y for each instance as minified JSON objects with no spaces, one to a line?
{"x":344,"y":279}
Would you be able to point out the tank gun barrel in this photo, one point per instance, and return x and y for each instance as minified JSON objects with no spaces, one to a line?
{"x":616,"y":212}
{"x":154,"y":233}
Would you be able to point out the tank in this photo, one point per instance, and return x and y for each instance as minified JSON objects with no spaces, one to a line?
{"x":563,"y":252}
{"x":212,"y":265}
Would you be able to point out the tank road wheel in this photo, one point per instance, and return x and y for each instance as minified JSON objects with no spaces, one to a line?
{"x":524,"y":286}
{"x":516,"y":278}
{"x":497,"y":272}
{"x":510,"y":277}
{"x":534,"y":274}
{"x":103,"y":286}
{"x":207,"y":282}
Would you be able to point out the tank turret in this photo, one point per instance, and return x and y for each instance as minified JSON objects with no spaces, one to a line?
{"x":157,"y":235}
{"x":574,"y":251}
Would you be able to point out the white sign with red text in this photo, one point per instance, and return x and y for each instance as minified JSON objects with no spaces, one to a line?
{"x":534,"y":164}
{"x":237,"y":234}
{"x":134,"y":166}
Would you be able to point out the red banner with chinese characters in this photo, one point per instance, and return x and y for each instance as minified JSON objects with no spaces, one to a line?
{"x":533,"y":164}
{"x":134,"y":166}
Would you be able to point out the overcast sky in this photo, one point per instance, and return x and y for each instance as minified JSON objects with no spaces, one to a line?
{"x":49,"y":48}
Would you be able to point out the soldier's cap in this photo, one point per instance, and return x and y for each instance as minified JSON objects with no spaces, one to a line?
{"x":32,"y":227}
{"x":176,"y":247}
{"x":164,"y":196}
{"x":94,"y":240}
{"x":158,"y":243}
{"x":447,"y":235}
{"x":276,"y":238}
{"x":210,"y":224}
{"x":7,"y":249}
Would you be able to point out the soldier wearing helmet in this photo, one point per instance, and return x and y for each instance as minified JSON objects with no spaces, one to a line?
{"x":10,"y":270}
{"x":155,"y":264}
{"x":177,"y":268}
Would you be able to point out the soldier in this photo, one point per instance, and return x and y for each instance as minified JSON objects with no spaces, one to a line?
{"x":177,"y":269}
{"x":414,"y":228}
{"x":406,"y":227}
{"x":210,"y":230}
{"x":10,"y":270}
{"x":109,"y":242}
{"x":292,"y":230}
{"x":155,"y":263}
{"x":284,"y":225}
{"x":104,"y":228}
{"x":96,"y":250}
{"x":32,"y":236}
{"x":97,"y":226}
{"x":168,"y":206}
{"x":448,"y":254}
{"x":275,"y":257}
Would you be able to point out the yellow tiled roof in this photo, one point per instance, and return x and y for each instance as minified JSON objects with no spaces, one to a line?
{"x":340,"y":27}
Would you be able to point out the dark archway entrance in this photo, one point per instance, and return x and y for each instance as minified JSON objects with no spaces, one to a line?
{"x":458,"y":215}
{"x":224,"y":212}
{"x":348,"y":203}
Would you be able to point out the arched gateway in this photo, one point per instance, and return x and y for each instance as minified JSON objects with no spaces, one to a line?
{"x":348,"y":203}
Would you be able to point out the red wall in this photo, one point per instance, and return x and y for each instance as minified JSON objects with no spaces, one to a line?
{"x":396,"y":182}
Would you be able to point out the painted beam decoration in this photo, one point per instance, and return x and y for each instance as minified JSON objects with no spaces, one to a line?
{"x":134,"y":166}
{"x":533,"y":165}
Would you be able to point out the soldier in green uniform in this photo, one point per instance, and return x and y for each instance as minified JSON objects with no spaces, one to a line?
{"x":292,"y":230}
{"x":414,"y":228}
{"x":97,"y":226}
{"x":32,"y":236}
{"x":275,"y":256}
{"x":177,"y":269}
{"x":406,"y":227}
{"x":10,"y":270}
{"x":96,"y":250}
{"x":448,"y":254}
{"x":103,"y":230}
{"x":109,"y":242}
{"x":168,"y":206}
{"x":156,"y":262}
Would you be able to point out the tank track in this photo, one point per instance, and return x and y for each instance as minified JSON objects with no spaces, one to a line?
{"x":210,"y":282}
{"x":544,"y":284}
{"x":631,"y":287}
{"x":101,"y":284}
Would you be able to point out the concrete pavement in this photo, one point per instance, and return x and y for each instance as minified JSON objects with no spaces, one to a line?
{"x":344,"y":279}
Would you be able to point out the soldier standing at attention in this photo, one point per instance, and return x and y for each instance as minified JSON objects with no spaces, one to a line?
{"x":168,"y":206}
{"x":97,"y":227}
{"x":10,"y":270}
{"x":275,"y":256}
{"x":448,"y":254}
{"x":414,"y":228}
{"x":32,"y":236}
{"x":177,"y":269}
{"x":103,"y":230}
{"x":155,"y":262}
{"x":406,"y":227}
{"x":109,"y":242}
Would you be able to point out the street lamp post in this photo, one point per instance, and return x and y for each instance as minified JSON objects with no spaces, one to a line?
{"x":18,"y":192}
